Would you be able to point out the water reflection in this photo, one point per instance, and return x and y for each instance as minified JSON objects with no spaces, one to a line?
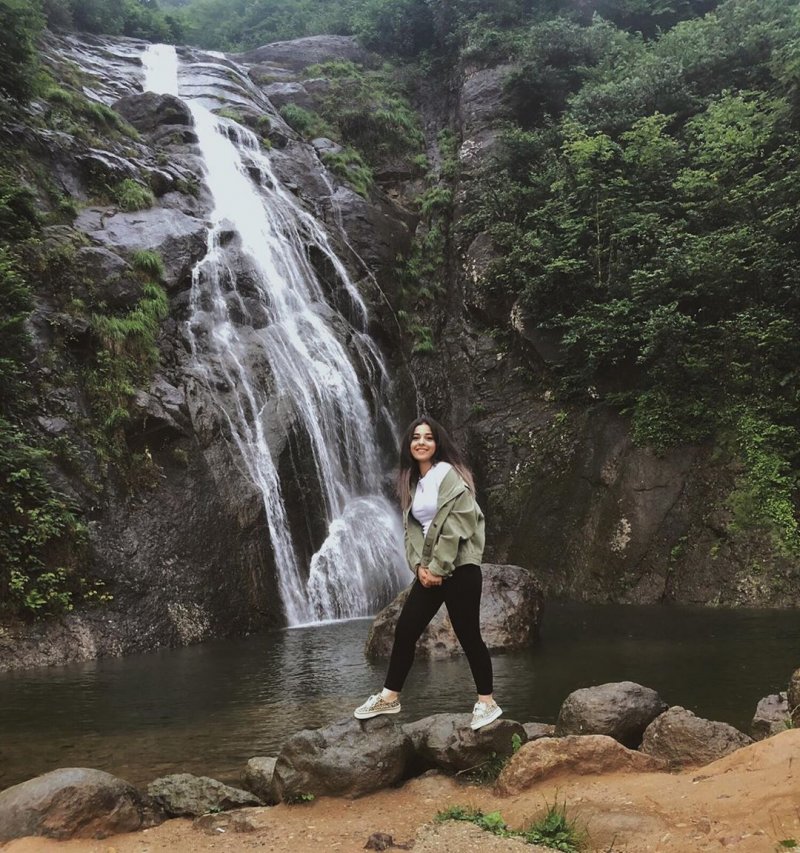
{"x":209,"y":708}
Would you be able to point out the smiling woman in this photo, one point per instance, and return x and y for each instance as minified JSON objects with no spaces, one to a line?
{"x":444,"y":538}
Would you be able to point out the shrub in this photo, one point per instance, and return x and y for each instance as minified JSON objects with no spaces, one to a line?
{"x":349,"y":164}
{"x":131,"y":195}
{"x":307,"y":123}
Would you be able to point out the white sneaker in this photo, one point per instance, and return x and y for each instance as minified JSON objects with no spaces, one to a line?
{"x":376,"y":705}
{"x":484,"y":713}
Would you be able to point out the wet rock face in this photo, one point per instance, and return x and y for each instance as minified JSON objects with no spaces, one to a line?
{"x":73,"y":803}
{"x":621,"y":710}
{"x":681,"y":739}
{"x":574,"y":755}
{"x":347,"y":759}
{"x":511,"y":611}
{"x":149,"y":111}
{"x":185,"y":795}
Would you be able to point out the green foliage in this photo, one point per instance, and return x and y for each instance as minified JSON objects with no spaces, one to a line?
{"x":126,"y":357}
{"x":131,"y":195}
{"x":20,"y":25}
{"x":349,"y":164}
{"x":15,"y":306}
{"x":553,"y":829}
{"x":307,"y":123}
{"x":149,"y":263}
{"x":647,"y":222}
{"x":136,"y":18}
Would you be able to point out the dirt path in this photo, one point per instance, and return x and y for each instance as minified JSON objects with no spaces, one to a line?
{"x":747,"y":802}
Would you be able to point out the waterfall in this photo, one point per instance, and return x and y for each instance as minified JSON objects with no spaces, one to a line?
{"x":268,"y":348}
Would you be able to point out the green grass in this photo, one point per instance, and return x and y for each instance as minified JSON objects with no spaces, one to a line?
{"x":131,"y":195}
{"x":552,"y":829}
{"x":350,"y":165}
{"x":149,"y":263}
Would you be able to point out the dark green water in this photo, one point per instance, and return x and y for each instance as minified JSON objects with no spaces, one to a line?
{"x":209,"y":708}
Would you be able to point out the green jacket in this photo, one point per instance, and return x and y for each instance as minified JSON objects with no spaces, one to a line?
{"x":456,"y":535}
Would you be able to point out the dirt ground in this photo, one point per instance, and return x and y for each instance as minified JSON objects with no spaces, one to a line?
{"x":749,"y":801}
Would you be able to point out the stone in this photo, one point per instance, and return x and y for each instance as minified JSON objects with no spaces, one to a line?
{"x":182,"y":795}
{"x":482,"y":98}
{"x":216,"y":824}
{"x":511,"y":610}
{"x":110,"y":278}
{"x":534,"y":731}
{"x":622,"y":710}
{"x":298,"y":54}
{"x":180,"y":239}
{"x":573,"y":755}
{"x":447,"y":743}
{"x":257,"y":777}
{"x":282,"y":93}
{"x":771,"y":717}
{"x":793,"y":698}
{"x":149,"y":111}
{"x":323,"y":145}
{"x":682,"y":739}
{"x":346,"y":759}
{"x":73,"y":802}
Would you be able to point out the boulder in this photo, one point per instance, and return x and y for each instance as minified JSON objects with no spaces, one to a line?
{"x":482,"y":98}
{"x":298,"y":54}
{"x":148,"y":111}
{"x":447,"y":743}
{"x":282,"y":93}
{"x":683,"y":740}
{"x":511,"y":610}
{"x":771,"y":717}
{"x":793,"y":697}
{"x":73,"y":802}
{"x":346,"y":759}
{"x":257,"y":777}
{"x":109,"y":278}
{"x":574,"y":755}
{"x":180,"y":239}
{"x":622,"y":710}
{"x":534,"y":731}
{"x":182,"y":795}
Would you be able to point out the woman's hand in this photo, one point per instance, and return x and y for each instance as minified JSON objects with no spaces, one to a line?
{"x":427,"y":578}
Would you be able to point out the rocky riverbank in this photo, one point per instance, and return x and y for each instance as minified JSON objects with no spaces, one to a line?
{"x":354,"y":759}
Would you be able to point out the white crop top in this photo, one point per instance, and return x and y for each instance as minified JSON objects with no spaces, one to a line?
{"x":426,"y":496}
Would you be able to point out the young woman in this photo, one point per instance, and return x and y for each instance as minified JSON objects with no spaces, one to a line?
{"x":444,"y":537}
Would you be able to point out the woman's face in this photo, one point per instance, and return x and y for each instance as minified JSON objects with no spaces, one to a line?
{"x":423,"y":445}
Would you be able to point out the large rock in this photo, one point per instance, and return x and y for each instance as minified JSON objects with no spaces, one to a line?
{"x":300,"y":53}
{"x":483,"y":99}
{"x":182,"y":794}
{"x":447,"y":743}
{"x":73,"y":802}
{"x":683,"y":740}
{"x":347,"y":759}
{"x":148,"y":111}
{"x":180,"y":239}
{"x":574,"y":755}
{"x":622,"y":710}
{"x":771,"y":717}
{"x":109,"y":277}
{"x":511,"y":610}
{"x":257,"y":777}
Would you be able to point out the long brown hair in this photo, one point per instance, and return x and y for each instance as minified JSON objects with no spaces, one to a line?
{"x":446,"y":451}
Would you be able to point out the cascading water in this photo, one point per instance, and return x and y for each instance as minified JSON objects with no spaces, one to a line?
{"x":264,"y":344}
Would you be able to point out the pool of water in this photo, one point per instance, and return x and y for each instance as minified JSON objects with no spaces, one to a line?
{"x":207,"y":709}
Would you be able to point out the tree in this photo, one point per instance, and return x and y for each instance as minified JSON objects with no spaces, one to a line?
{"x":20,"y":24}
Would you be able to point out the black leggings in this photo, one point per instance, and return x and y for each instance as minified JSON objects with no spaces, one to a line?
{"x":461,"y":593}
